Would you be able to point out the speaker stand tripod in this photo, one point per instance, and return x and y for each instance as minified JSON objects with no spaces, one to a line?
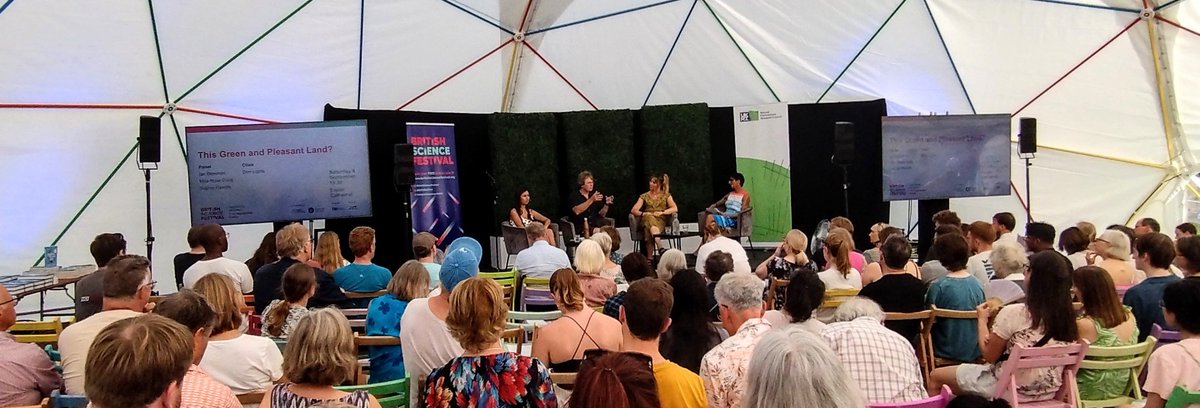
{"x":146,"y":168}
{"x":1028,"y":157}
{"x":845,"y":189}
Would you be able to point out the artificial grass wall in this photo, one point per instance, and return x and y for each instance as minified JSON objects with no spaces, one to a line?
{"x":601,"y":142}
{"x":525,"y":156}
{"x":675,"y":140}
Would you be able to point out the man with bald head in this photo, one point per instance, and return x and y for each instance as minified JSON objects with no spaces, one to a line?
{"x":29,"y":375}
{"x":215,"y":242}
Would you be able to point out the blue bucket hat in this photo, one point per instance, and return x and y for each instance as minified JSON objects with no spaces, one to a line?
{"x":460,"y":265}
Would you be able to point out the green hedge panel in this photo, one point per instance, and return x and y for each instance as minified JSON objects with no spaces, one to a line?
{"x":601,"y":142}
{"x":525,"y":155}
{"x":675,"y":140}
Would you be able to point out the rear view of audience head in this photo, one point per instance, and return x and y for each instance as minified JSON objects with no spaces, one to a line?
{"x":535,"y":231}
{"x":224,"y":298}
{"x":1073,"y":240}
{"x":320,"y":350}
{"x":896,"y":252}
{"x":614,"y":235}
{"x":805,"y":293}
{"x":1048,"y":298}
{"x":670,"y":262}
{"x":692,"y":333}
{"x":1181,"y":305}
{"x":843,"y":223}
{"x":1187,"y":255}
{"x":646,"y":311}
{"x":717,"y":265}
{"x":857,"y":307}
{"x":329,"y":251}
{"x":1004,"y":222}
{"x":265,"y":253}
{"x":615,"y":380}
{"x":635,"y":266}
{"x":299,"y":284}
{"x":362,"y":241}
{"x":1008,"y":259}
{"x":567,"y":291}
{"x":1154,"y":251}
{"x":424,"y":245}
{"x":1096,"y":291}
{"x":980,"y":236}
{"x":1088,"y":229}
{"x":837,"y":250}
{"x":791,"y":367}
{"x":212,"y":237}
{"x":477,"y":313}
{"x":292,"y":241}
{"x":1039,"y":236}
{"x":410,"y":282}
{"x":1145,"y":226}
{"x":190,"y":309}
{"x":460,"y":264}
{"x":589,"y":257}
{"x":739,"y":298}
{"x":946,"y":217}
{"x":127,"y":282}
{"x":107,"y":246}
{"x":952,"y":252}
{"x":1186,"y":229}
{"x":605,"y":241}
{"x":796,"y":243}
{"x":1113,"y":244}
{"x":138,"y":361}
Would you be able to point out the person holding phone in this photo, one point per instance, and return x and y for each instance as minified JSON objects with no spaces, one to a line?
{"x":588,"y":204}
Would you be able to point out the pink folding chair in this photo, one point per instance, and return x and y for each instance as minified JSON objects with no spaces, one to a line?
{"x":938,"y":401}
{"x":1068,"y":357}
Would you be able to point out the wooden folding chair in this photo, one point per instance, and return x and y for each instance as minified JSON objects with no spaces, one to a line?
{"x":515,"y":335}
{"x":835,"y":297}
{"x":1023,"y":358}
{"x":776,"y":286}
{"x":939,"y":314}
{"x":924,"y":347}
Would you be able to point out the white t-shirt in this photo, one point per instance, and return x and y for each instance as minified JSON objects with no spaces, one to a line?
{"x":778,"y":319}
{"x":833,"y":279}
{"x":76,"y":340}
{"x":236,"y":270}
{"x":244,"y":363}
{"x":980,"y":266}
{"x":741,"y":262}
{"x":425,"y":341}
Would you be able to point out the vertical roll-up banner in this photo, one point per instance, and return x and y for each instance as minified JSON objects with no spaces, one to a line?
{"x":436,"y":206}
{"x":761,"y":146}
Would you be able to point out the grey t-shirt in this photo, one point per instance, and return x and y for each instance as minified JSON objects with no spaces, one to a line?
{"x":89,"y":294}
{"x":933,"y":270}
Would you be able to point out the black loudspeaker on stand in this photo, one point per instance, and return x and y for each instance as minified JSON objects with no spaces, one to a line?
{"x":149,"y":154}
{"x":1027,"y":148}
{"x":843,"y":156}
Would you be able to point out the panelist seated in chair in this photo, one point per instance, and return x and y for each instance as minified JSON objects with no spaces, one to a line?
{"x":521,"y":215}
{"x":587,"y":204}
{"x":725,"y":211}
{"x":652,"y":207}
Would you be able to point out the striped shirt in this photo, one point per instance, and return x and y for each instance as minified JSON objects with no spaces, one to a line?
{"x":201,"y":391}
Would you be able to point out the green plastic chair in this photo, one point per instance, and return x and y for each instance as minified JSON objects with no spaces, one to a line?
{"x":391,"y":394}
{"x":1182,"y":397}
{"x":504,"y":278}
{"x":1132,"y":358}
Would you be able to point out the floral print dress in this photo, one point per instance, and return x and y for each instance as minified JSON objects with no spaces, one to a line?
{"x":496,"y":381}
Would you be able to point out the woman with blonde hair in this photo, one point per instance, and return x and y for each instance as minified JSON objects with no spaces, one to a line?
{"x":788,"y":260}
{"x":328,"y":255}
{"x":611,"y":270}
{"x":485,"y":374}
{"x":652,"y":207}
{"x":383,"y":319}
{"x":839,"y":275}
{"x":562,"y":342}
{"x":874,"y":255}
{"x":319,"y":355}
{"x":670,"y":262}
{"x":242,"y":362}
{"x":590,"y":262}
{"x":281,"y":316}
{"x":1112,"y":246}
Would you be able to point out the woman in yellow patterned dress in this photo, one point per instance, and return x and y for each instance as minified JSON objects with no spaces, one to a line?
{"x":651,"y":207}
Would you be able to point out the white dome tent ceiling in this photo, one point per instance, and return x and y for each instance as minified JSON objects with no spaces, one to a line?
{"x":1116,"y":92}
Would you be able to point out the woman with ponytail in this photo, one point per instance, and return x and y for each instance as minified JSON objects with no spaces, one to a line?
{"x":840,"y":274}
{"x":652,"y":207}
{"x":299,"y":284}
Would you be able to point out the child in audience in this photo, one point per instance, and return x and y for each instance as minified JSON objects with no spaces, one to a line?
{"x":282,"y":315}
{"x":1176,"y":364}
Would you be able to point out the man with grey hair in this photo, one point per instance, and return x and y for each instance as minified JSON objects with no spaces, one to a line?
{"x":740,"y":307}
{"x":541,"y":259}
{"x":881,"y":361}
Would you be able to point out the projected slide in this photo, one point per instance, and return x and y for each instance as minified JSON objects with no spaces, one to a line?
{"x":264,"y":173}
{"x":934,"y":157}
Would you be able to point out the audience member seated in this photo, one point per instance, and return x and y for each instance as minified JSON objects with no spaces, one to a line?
{"x":1112,"y":248}
{"x":243,"y":362}
{"x":634,"y":267}
{"x":872,"y":255}
{"x":587,"y":204}
{"x":1039,"y":236}
{"x":424,"y":337}
{"x":1103,"y":323}
{"x":673,"y":261}
{"x":590,"y":262}
{"x":947,"y":217}
{"x":328,"y":254}
{"x":874,"y":270}
{"x":1176,"y":365}
{"x":651,"y":207}
{"x":1187,"y":255}
{"x":485,"y":373}
{"x":199,"y":390}
{"x":384,"y":315}
{"x":609,"y":379}
{"x":805,"y":292}
{"x":839,"y":274}
{"x":215,"y":242}
{"x":195,"y":253}
{"x":127,"y":287}
{"x":645,"y":316}
{"x":1184,"y":230}
{"x":955,"y":338}
{"x":1155,"y":253}
{"x":1048,"y":304}
{"x":281,"y":316}
{"x":723,"y":369}
{"x":932,"y":269}
{"x":691,"y":333}
{"x":426,"y":252}
{"x":265,"y":254}
{"x":362,"y":275}
{"x":882,"y":362}
{"x":615,"y":255}
{"x":540,"y":259}
{"x":89,"y":291}
{"x":857,"y":259}
{"x":714,"y":242}
{"x":792,"y":367}
{"x":980,"y":237}
{"x":1005,"y":225}
{"x":1010,"y":263}
{"x":716,"y":265}
{"x":319,"y":356}
{"x":138,"y":362}
{"x":897,"y":291}
{"x":788,"y":260}
{"x":1088,"y":229}
{"x":1146,"y":226}
{"x":29,"y":375}
{"x":562,"y":342}
{"x":294,"y":247}
{"x":611,"y":270}
{"x":521,"y":216}
{"x":1074,"y":243}
{"x":724,"y":213}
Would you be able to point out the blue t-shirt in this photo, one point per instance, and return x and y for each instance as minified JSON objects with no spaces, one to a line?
{"x":362,"y":278}
{"x":383,"y":319}
{"x":956,"y":338}
{"x":1145,"y":299}
{"x":435,"y":273}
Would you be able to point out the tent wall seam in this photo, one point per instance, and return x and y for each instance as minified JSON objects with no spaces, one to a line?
{"x":740,"y":50}
{"x":1177,"y":25}
{"x":1164,"y":96}
{"x":1100,"y":156}
{"x":456,"y":73}
{"x":1153,"y":193}
{"x":861,"y":50}
{"x":162,"y":71}
{"x":243,"y":51}
{"x":561,"y":76}
{"x":362,"y":22}
{"x":949,"y":57}
{"x":477,"y":16}
{"x":89,"y":201}
{"x":510,"y":82}
{"x":670,"y":52}
{"x":1091,"y":6}
{"x":600,"y":17}
{"x":1076,"y":67}
{"x":179,"y":138}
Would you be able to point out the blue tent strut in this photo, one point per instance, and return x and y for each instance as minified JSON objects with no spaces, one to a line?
{"x":1093,"y":6}
{"x":481,"y":18}
{"x":669,"y":52}
{"x":950,"y":57}
{"x":5,"y":6}
{"x":362,"y":21}
{"x":539,"y":31}
{"x":1168,"y":4}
